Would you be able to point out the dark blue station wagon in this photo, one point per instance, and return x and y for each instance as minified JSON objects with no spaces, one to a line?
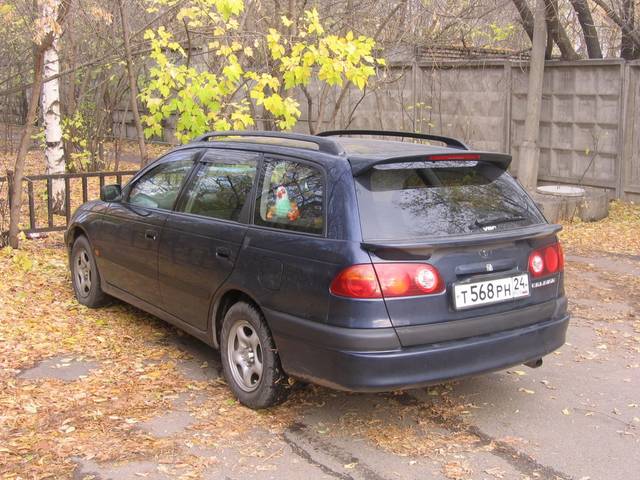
{"x":340,"y":259}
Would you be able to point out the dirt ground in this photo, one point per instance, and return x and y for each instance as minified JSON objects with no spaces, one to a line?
{"x":116,"y":394}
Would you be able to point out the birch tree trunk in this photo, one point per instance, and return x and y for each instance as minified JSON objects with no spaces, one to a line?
{"x":49,"y":28}
{"x":54,"y":152}
{"x":530,"y":149}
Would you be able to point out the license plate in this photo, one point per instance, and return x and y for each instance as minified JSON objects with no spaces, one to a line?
{"x":468,"y":295}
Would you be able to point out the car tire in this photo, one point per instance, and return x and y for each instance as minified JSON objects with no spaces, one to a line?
{"x":250,"y":361}
{"x":84,"y":275}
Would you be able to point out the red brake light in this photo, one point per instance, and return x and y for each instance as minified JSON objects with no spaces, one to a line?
{"x":394,"y":279}
{"x":546,"y":260}
{"x":388,"y":280}
{"x":454,"y":156}
{"x":560,"y":258}
{"x":408,"y":279}
{"x":551,"y":259}
{"x":357,"y":281}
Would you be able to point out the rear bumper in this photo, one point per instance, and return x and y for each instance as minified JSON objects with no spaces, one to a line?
{"x":311,"y":357}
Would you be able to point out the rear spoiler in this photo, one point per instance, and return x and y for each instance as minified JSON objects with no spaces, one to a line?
{"x":473,"y":239}
{"x":361,"y":165}
{"x":448,"y":141}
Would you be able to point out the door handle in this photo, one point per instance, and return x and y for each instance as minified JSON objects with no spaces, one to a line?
{"x":223,"y":252}
{"x":150,"y":234}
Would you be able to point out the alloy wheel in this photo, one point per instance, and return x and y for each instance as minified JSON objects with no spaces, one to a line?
{"x":82,"y":273}
{"x":244,"y":352}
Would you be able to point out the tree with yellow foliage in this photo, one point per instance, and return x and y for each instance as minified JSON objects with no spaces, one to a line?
{"x":255,"y":72}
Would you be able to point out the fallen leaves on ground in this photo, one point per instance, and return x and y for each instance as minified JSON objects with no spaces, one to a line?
{"x":410,"y":428}
{"x":45,"y":423}
{"x":602,"y":282}
{"x":609,"y":302}
{"x":618,"y":233}
{"x":456,"y":471}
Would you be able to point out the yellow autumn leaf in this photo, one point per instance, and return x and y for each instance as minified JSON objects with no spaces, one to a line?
{"x":526,"y":390}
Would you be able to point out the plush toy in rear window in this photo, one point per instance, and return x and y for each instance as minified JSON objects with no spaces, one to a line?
{"x":283,"y":208}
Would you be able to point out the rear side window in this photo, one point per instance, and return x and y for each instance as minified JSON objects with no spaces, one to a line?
{"x":220,"y":190}
{"x":427,"y":199}
{"x":159,"y":188}
{"x":291,"y":197}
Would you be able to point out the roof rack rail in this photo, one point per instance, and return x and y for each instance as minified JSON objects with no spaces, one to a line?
{"x":450,"y":142}
{"x":325,"y":145}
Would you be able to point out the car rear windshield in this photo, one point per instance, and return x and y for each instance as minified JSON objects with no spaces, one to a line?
{"x":404,"y":201}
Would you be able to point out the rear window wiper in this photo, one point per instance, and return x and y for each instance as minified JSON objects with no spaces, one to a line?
{"x":497,"y":220}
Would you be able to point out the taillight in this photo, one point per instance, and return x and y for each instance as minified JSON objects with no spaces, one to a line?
{"x":357,"y":281}
{"x":560,"y":258}
{"x":546,"y":261}
{"x":387,"y":280}
{"x":536,"y":264}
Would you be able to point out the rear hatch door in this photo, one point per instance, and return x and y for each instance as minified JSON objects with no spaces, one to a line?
{"x":468,"y":218}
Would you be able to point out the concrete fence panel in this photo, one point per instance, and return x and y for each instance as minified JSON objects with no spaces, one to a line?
{"x":630,"y":181}
{"x":467,"y":101}
{"x":590,"y":120}
{"x":580,"y":122}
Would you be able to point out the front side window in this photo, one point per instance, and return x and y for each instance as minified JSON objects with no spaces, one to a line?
{"x":291,"y":197}
{"x":159,"y":188}
{"x":220,"y":190}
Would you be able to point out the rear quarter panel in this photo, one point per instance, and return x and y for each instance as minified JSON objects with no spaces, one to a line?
{"x":291,"y":272}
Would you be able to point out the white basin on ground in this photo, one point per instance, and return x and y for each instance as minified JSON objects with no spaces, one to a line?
{"x":561,"y":190}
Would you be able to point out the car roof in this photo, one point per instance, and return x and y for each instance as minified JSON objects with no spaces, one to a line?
{"x":337,"y":145}
{"x":376,"y":149}
{"x":341,"y":146}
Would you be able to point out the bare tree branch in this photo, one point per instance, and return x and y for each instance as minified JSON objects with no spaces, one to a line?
{"x":526,"y":17}
{"x":624,"y":26}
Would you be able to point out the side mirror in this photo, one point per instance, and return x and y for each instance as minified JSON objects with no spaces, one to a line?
{"x":110,"y":193}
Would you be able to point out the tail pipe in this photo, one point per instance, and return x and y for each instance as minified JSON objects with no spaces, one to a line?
{"x":534,"y":363}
